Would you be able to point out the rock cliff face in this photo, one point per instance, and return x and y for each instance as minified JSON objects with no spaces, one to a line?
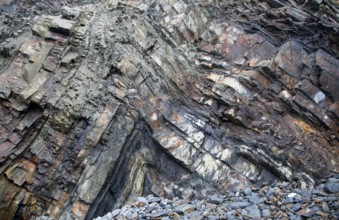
{"x":105,"y":101}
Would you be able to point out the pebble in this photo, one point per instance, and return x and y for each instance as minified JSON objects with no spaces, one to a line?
{"x":184,"y":208}
{"x":236,"y":205}
{"x":215,"y":200}
{"x":296,"y":207}
{"x":291,"y":195}
{"x":195,"y":216}
{"x":256,"y":199}
{"x":143,"y":201}
{"x":153,"y":199}
{"x":231,"y":194}
{"x":254,"y":211}
{"x":325,"y":207}
{"x":164,"y":202}
{"x":266,"y":213}
{"x":244,"y":212}
{"x":331,"y":199}
{"x":247,"y":191}
{"x":169,"y":212}
{"x":230,"y":215}
{"x":284,"y":185}
{"x":288,"y":200}
{"x":279,"y":201}
{"x":115,"y":213}
{"x":331,"y":179}
{"x":271,"y":192}
{"x":331,"y":187}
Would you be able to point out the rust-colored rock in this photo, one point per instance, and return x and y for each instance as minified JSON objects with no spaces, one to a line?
{"x":103,"y":101}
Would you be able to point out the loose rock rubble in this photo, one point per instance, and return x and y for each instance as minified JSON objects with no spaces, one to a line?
{"x":276,"y":201}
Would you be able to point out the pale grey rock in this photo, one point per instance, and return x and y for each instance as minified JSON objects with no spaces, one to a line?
{"x":256,"y":199}
{"x":158,"y":214}
{"x":195,"y":215}
{"x":254,"y":211}
{"x":331,"y":187}
{"x":247,"y":191}
{"x":244,"y":212}
{"x":325,"y":207}
{"x":271,"y":192}
{"x":296,"y":207}
{"x":215,"y":199}
{"x":142,"y":200}
{"x":237,"y":205}
{"x":184,"y":208}
{"x":266,"y":213}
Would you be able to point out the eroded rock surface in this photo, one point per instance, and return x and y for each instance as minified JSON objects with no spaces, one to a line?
{"x":103,"y":102}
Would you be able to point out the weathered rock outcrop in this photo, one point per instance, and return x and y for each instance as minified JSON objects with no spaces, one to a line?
{"x":110,"y":100}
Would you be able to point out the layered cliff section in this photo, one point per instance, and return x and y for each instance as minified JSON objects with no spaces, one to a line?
{"x":104,"y":101}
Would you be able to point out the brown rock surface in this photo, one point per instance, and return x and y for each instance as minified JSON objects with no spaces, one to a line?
{"x":104,"y":101}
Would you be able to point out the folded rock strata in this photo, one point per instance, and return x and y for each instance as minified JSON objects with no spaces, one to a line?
{"x":110,"y":100}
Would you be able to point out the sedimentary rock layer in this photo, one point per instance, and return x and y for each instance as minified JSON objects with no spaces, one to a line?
{"x":109,"y":100}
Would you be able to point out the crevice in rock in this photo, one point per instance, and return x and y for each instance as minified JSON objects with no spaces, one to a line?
{"x":139,"y":146}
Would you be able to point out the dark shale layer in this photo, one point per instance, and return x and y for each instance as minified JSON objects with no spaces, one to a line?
{"x":102,"y":102}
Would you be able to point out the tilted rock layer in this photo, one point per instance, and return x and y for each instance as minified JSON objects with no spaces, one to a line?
{"x":103,"y":102}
